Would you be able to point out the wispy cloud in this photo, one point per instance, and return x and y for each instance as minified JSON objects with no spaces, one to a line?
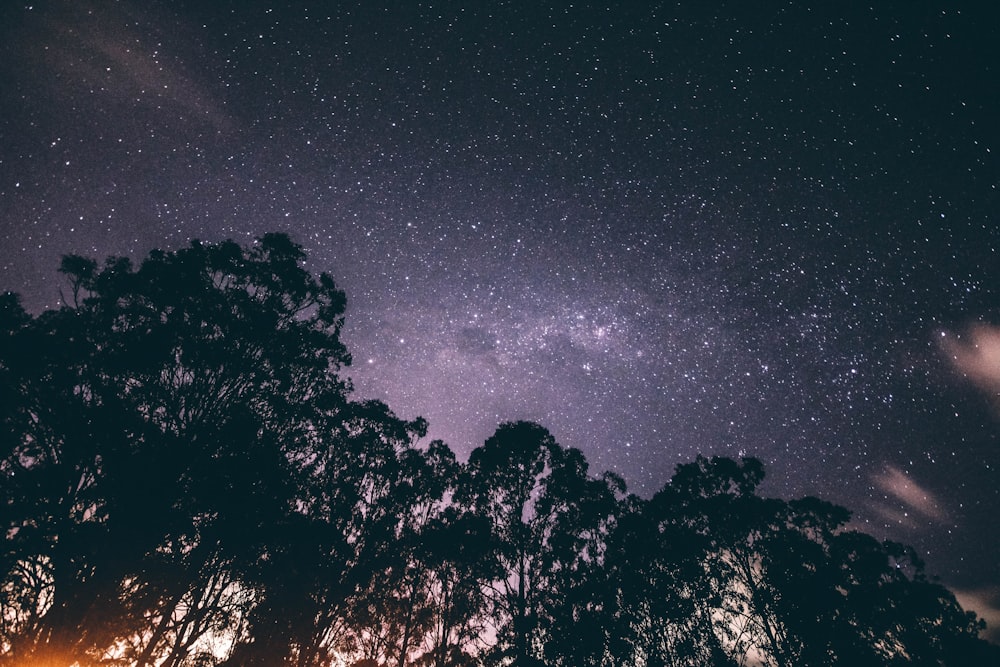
{"x":976,"y":355}
{"x":121,"y":54}
{"x":906,"y":499}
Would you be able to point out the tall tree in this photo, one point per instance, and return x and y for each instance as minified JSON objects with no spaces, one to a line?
{"x":399,"y":605}
{"x":545,"y":517}
{"x":793,"y":586}
{"x":657,"y":598}
{"x":338,"y":540}
{"x":154,"y":435}
{"x":457,"y":564}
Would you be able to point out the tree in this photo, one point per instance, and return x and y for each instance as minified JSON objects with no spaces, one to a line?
{"x":337,"y":540}
{"x":153,"y":438}
{"x":792,"y":586}
{"x":186,"y":480}
{"x":656,"y":598}
{"x":545,"y":517}
{"x":393,"y":610}
{"x":455,"y":549}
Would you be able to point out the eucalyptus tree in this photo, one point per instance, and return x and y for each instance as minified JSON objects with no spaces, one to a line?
{"x":455,"y":549}
{"x":153,"y":442}
{"x":657,"y":600}
{"x":327,"y":556}
{"x":793,"y":585}
{"x":424,"y":603}
{"x":845,"y":598}
{"x":546,"y":519}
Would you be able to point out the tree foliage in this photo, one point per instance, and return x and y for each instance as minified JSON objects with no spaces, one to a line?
{"x":188,"y":481}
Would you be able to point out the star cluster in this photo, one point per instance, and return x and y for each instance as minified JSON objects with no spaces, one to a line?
{"x":659,"y":229}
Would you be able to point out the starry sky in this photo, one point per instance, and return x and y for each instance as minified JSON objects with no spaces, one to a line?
{"x":660,"y":229}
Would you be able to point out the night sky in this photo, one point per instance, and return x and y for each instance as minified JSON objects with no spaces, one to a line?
{"x":658,"y":229}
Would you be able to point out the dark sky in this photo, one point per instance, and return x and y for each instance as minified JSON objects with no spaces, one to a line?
{"x":659,"y":229}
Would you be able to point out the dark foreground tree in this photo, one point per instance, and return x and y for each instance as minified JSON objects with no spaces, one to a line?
{"x":187,"y":482}
{"x":161,"y":439}
{"x":785,"y":583}
{"x":546,"y":519}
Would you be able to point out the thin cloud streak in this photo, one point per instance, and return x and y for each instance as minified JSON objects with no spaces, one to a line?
{"x":978,"y":359}
{"x":915,"y":499}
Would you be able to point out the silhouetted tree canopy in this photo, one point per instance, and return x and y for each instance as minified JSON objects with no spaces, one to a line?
{"x":188,"y":481}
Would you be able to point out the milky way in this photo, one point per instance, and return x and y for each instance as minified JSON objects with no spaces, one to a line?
{"x":660,"y":230}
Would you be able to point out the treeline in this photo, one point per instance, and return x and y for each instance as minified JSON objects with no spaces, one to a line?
{"x":187,"y":481}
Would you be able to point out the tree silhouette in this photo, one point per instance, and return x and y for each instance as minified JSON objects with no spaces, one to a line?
{"x":159,"y":409}
{"x":187,"y":481}
{"x":456,"y":559}
{"x":544,"y":514}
